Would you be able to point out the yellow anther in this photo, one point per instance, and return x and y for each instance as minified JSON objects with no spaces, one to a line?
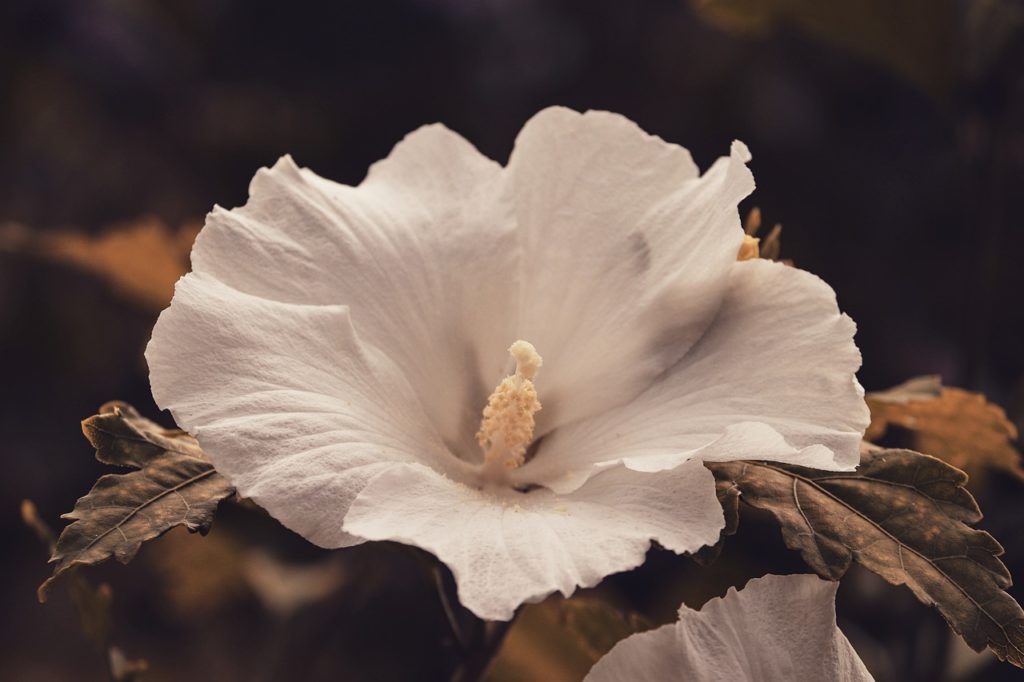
{"x":507,"y":426}
{"x":749,"y":249}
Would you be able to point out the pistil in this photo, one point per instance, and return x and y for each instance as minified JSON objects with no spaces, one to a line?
{"x":507,"y":426}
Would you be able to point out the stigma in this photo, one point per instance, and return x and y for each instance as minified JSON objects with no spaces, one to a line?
{"x":506,"y":429}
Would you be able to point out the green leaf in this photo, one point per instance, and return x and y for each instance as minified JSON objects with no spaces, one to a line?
{"x":904,"y":516}
{"x":175,"y":485}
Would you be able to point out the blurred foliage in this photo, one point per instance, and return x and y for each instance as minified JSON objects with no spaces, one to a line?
{"x":142,"y":260}
{"x":285,"y":588}
{"x":957,"y":426}
{"x":916,"y":38}
{"x":198,"y":579}
{"x":560,"y":639}
{"x":232,"y":572}
{"x":124,"y":669}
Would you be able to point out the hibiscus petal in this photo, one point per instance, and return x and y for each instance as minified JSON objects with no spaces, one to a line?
{"x":777,"y":628}
{"x":287,"y":401}
{"x":423,"y":252}
{"x":506,"y":548}
{"x":626,"y":252}
{"x":772,"y":379}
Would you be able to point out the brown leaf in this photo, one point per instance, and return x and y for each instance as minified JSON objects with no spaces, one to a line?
{"x":904,"y":516}
{"x":142,"y":260}
{"x":957,"y":426}
{"x":175,"y":485}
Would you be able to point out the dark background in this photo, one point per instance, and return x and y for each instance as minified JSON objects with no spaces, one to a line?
{"x":888,"y":138}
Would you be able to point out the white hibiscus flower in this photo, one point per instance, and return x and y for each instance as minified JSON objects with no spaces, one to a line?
{"x":334,"y":348}
{"x":776,"y":629}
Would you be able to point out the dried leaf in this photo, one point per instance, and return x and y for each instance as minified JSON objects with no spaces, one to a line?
{"x":561,"y":639}
{"x":957,"y":426}
{"x":175,"y":485}
{"x":904,"y":516}
{"x":142,"y":260}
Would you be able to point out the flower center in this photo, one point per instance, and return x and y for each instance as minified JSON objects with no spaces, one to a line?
{"x":507,"y":425}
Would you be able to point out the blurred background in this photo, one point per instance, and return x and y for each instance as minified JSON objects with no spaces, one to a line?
{"x":888,"y":139}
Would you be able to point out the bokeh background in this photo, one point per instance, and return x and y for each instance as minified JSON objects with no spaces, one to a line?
{"x":888,"y":139}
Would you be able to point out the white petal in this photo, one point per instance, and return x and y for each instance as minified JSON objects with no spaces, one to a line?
{"x":506,"y":548}
{"x":776,"y":629}
{"x":287,"y":401}
{"x":773,"y":379}
{"x":626,"y":254}
{"x":423,"y":252}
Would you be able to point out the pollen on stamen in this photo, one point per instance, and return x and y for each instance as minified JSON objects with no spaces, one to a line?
{"x":507,"y":426}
